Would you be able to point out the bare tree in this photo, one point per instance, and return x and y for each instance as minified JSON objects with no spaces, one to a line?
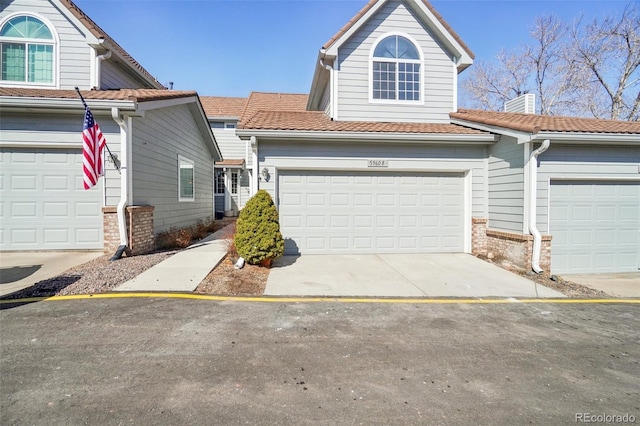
{"x":586,"y":70}
{"x":490,"y":85}
{"x":609,"y":52}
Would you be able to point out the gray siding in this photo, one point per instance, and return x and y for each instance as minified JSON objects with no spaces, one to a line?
{"x":506,"y":185}
{"x":325,"y":102}
{"x":590,"y":162}
{"x":158,"y":139}
{"x":353,"y":81}
{"x":75,"y":55}
{"x":354,"y":157}
{"x":44,"y":129}
{"x":232,"y":147}
{"x":114,"y":75}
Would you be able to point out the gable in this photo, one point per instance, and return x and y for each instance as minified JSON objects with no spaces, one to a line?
{"x":78,"y":41}
{"x":343,"y":85}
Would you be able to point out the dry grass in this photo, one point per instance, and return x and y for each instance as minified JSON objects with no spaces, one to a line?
{"x":225,"y":280}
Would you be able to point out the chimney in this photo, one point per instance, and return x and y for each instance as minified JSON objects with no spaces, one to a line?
{"x":525,"y":104}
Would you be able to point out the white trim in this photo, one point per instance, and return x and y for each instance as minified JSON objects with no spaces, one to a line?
{"x":521,"y":137}
{"x":22,"y":102}
{"x":582,"y":138}
{"x":473,"y":139}
{"x":468,"y":210}
{"x":419,"y":61}
{"x":191,"y":163}
{"x":55,"y":84}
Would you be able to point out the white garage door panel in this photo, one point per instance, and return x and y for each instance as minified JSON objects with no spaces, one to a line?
{"x":348,"y":212}
{"x":44,"y":205}
{"x":595,"y":226}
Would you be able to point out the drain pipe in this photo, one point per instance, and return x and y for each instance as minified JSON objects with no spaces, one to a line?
{"x":330,"y":69}
{"x":533,"y":176}
{"x":99,"y":60}
{"x":124,"y":182}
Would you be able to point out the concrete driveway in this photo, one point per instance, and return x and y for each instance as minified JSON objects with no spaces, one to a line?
{"x":20,"y":270}
{"x":398,"y":275}
{"x":624,"y":284}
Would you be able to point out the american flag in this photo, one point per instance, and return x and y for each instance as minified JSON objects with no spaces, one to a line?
{"x":92,"y":146}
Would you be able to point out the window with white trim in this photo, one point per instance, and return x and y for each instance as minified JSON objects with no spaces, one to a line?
{"x":26,"y":51}
{"x":395,"y":70}
{"x":219,"y":181}
{"x":186,"y":179}
{"x":234,"y":182}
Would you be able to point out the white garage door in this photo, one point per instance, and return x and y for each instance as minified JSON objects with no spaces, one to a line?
{"x":325,"y":212}
{"x":43,"y":205}
{"x":595,"y":226}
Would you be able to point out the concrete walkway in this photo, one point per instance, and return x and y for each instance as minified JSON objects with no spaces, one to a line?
{"x":399,"y":275}
{"x":184,"y":270}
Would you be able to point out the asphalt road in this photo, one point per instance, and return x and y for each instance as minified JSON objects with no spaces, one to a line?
{"x":178,"y":362}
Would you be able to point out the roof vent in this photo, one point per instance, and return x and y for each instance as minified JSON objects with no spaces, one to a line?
{"x":525,"y":104}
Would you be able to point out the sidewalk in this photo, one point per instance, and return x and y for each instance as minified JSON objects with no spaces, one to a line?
{"x":184,"y":270}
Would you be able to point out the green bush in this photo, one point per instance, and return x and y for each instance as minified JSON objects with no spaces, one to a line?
{"x":258,"y":234}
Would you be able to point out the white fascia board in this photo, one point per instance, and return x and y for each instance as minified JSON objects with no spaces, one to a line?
{"x":463,"y":60}
{"x":20,"y":103}
{"x":333,"y":49}
{"x":371,"y":136}
{"x":521,"y":137}
{"x":590,"y":138}
{"x":319,"y":81}
{"x":89,"y":37}
{"x":223,"y":118}
{"x":165,"y":103}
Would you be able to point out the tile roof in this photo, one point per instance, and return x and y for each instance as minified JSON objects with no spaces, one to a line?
{"x":371,"y":3}
{"x":533,"y":123}
{"x":136,"y":95}
{"x":100,"y":33}
{"x":230,"y":162}
{"x":219,"y":106}
{"x":262,"y":101}
{"x":318,"y":121}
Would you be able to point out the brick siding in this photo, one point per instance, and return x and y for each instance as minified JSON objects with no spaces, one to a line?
{"x":139,"y":221}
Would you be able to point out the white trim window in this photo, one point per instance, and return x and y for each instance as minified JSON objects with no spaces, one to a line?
{"x":27,"y":51}
{"x":234,"y":182}
{"x":219,"y":181}
{"x":396,"y":71}
{"x":186,"y":179}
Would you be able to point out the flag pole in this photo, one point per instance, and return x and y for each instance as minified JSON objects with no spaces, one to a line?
{"x":113,"y":158}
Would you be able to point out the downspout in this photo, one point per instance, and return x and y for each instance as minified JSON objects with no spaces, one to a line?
{"x":99,"y":60}
{"x":533,"y":176}
{"x":330,"y":69}
{"x":254,"y":154}
{"x":124,"y":182}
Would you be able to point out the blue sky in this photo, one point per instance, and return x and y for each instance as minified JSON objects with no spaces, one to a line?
{"x":233,"y":47}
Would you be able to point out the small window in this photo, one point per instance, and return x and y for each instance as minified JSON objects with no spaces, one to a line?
{"x":395,"y":70}
{"x":186,"y":179}
{"x":234,"y":182}
{"x":26,"y":51}
{"x":219,"y":181}
{"x":229,"y":125}
{"x":217,"y":125}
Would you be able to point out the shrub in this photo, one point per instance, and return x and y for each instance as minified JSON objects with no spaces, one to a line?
{"x":258,"y":234}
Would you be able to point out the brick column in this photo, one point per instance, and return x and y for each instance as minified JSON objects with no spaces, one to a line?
{"x":479,"y":236}
{"x":139,"y":220}
{"x":111,"y":239}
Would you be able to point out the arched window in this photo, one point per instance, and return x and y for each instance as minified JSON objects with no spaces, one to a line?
{"x":396,"y":69}
{"x":27,"y":50}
